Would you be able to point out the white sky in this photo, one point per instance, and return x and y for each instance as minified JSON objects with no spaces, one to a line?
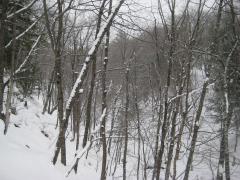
{"x":144,"y":12}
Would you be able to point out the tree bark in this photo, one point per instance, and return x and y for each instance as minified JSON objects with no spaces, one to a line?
{"x":57,"y":48}
{"x":104,"y":101}
{"x":173,"y":129}
{"x":92,"y":83}
{"x":10,"y":88}
{"x":126,"y":124}
{"x":196,"y":128}
{"x":3,"y":16}
{"x":166,"y":104}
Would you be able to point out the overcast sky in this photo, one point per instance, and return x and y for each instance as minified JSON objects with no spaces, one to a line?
{"x":144,"y":11}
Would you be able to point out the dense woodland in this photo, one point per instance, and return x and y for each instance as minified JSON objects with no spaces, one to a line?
{"x":135,"y":82}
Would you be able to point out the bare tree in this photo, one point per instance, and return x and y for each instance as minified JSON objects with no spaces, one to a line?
{"x":57,"y":48}
{"x":3,"y":17}
{"x":196,"y":128}
{"x":172,"y":40}
{"x":104,"y":99}
{"x":93,"y":77}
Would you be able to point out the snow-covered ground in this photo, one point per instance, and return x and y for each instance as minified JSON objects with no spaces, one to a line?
{"x":26,"y":151}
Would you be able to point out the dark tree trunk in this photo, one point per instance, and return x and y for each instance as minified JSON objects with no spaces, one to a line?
{"x":10,"y":88}
{"x":173,"y":129}
{"x":166,"y":104}
{"x":92,"y":83}
{"x":195,"y":131}
{"x":49,"y":92}
{"x":104,"y":101}
{"x":3,"y":16}
{"x":61,"y":145}
{"x":126,"y":125}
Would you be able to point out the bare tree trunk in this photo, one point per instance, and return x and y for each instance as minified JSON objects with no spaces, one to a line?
{"x":58,"y":64}
{"x":92,"y":83}
{"x":77,"y":103}
{"x":166,"y":104}
{"x":214,"y":48}
{"x":113,"y":119}
{"x":144,"y":159}
{"x":190,"y":45}
{"x":157,"y":141}
{"x":135,"y":95}
{"x":10,"y":88}
{"x":196,"y":128}
{"x":49,"y":92}
{"x":224,"y":151}
{"x":104,"y":101}
{"x":126,"y":125}
{"x":3,"y":16}
{"x":157,"y":69}
{"x":83,"y":74}
{"x":173,"y":129}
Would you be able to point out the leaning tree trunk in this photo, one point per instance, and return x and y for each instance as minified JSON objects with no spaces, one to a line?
{"x":82,"y":75}
{"x":92,"y":83}
{"x":195,"y":130}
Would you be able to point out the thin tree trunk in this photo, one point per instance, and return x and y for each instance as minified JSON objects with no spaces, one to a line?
{"x":92,"y":83}
{"x":82,"y":75}
{"x":135,"y":95}
{"x":3,"y":16}
{"x":157,"y":69}
{"x":49,"y":92}
{"x":173,"y":130}
{"x":224,"y":151}
{"x":61,"y":145}
{"x":195,"y":132}
{"x":113,"y":119}
{"x":10,"y":88}
{"x":126,"y":125}
{"x":104,"y":101}
{"x":166,"y":104}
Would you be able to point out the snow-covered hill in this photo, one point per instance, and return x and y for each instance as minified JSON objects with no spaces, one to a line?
{"x":27,"y":149}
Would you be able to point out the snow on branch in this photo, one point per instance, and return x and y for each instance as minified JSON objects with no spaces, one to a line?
{"x":190,"y":93}
{"x":29,"y":54}
{"x":22,"y":34}
{"x":19,"y":69}
{"x":22,"y":10}
{"x":82,"y":75}
{"x":81,"y":152}
{"x":225,"y":76}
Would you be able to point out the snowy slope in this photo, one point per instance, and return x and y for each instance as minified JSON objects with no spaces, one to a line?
{"x":27,"y":149}
{"x":26,"y":152}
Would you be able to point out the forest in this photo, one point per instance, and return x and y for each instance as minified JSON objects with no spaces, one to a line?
{"x":119,"y":89}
